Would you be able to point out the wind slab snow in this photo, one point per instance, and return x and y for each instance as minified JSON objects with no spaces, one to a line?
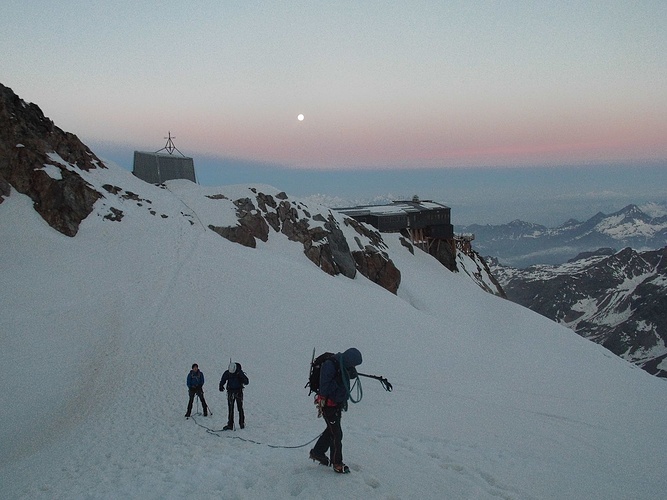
{"x":99,"y":331}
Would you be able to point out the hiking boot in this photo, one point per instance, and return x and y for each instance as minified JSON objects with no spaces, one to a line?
{"x":228,"y":427}
{"x":242,"y":425}
{"x":319,"y":458}
{"x":187,"y":415}
{"x":341,"y":468}
{"x":206,"y":414}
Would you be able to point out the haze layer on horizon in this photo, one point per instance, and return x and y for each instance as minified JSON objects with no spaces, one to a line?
{"x":477,"y":195}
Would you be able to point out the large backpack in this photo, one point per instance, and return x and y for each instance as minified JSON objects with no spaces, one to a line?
{"x":315,"y":368}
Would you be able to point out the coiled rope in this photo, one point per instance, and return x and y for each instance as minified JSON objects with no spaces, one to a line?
{"x":346,"y":381}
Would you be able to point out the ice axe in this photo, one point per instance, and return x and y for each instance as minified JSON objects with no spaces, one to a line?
{"x":385,"y":383}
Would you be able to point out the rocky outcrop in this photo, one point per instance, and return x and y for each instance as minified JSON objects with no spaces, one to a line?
{"x":475,"y":266}
{"x":34,"y":154}
{"x":377,"y":267}
{"x":323,"y":240}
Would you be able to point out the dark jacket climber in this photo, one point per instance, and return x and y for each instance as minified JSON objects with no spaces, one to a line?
{"x":236,"y":379}
{"x":334,"y":393}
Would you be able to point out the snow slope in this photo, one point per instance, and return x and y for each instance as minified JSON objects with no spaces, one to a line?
{"x":99,"y":331}
{"x":616,"y":299}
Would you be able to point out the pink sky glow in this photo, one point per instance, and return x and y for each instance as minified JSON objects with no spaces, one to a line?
{"x":415,"y":84}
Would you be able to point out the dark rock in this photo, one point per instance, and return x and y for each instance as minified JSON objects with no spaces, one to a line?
{"x":236,"y":234}
{"x":5,"y":189}
{"x":273,"y":221}
{"x":364,"y":230}
{"x":244,"y":205}
{"x":112,"y":189}
{"x":445,"y":253}
{"x":378,"y":268}
{"x":340,"y":250}
{"x":255,"y":225}
{"x":324,"y":245}
{"x":264,"y":200}
{"x":26,"y":139}
{"x":115,"y":215}
{"x":407,"y":245}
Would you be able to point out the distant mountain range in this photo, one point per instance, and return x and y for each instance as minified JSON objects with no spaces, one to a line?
{"x":617,"y":299}
{"x":521,"y":244}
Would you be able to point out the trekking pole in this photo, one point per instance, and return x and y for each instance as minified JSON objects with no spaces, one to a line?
{"x":385,"y":383}
{"x":208,"y":407}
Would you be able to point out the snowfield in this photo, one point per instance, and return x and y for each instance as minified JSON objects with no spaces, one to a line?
{"x":99,"y":331}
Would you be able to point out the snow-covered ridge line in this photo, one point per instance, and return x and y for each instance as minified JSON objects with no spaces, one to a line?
{"x":521,"y":244}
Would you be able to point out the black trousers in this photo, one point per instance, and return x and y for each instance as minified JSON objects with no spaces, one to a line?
{"x":332,"y":437}
{"x":232,"y":396}
{"x":200,"y":394}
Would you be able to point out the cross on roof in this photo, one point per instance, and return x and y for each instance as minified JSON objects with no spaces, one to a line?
{"x":170,"y":147}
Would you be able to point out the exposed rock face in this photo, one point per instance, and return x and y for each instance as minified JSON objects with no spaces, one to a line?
{"x":340,"y":251}
{"x":251,"y":224}
{"x":28,"y":142}
{"x":446,"y":255}
{"x":324,"y":242}
{"x":617,"y":300}
{"x":475,"y":266}
{"x":377,"y":267}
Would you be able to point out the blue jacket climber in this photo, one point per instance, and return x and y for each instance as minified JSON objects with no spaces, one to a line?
{"x":195,"y":378}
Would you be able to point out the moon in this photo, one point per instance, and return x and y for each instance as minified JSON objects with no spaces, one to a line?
{"x":300,"y":117}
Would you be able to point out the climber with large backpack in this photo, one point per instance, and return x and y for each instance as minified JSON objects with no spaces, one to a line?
{"x":332,"y":389}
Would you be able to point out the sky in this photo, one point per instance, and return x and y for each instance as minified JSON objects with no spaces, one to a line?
{"x":420,"y":85}
{"x":489,"y":400}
